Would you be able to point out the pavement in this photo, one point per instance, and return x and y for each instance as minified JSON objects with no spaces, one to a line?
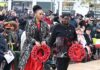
{"x":92,"y":65}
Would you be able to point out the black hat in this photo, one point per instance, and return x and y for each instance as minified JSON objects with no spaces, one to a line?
{"x":36,"y":7}
{"x":88,"y":28}
{"x":66,"y":14}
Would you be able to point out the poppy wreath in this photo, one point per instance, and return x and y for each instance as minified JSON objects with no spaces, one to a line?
{"x":76,"y":53}
{"x":40,"y":54}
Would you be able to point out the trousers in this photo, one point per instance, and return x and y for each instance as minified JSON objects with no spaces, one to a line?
{"x":62,"y":63}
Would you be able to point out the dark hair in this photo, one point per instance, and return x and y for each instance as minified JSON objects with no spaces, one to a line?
{"x":2,"y":17}
{"x":36,"y":7}
{"x":82,"y":23}
{"x":89,"y":28}
{"x":11,"y":18}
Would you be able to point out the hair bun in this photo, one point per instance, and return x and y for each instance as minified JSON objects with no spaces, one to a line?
{"x":36,"y":7}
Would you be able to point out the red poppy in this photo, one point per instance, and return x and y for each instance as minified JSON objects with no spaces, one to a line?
{"x":40,"y":54}
{"x":76,"y":53}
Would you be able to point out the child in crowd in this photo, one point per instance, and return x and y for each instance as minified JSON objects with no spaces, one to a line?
{"x":81,"y":40}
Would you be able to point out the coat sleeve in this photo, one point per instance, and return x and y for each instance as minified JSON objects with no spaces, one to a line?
{"x":29,"y":32}
{"x":52,"y":37}
{"x":75,"y":36}
{"x":3,"y":44}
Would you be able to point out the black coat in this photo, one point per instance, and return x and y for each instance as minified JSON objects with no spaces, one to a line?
{"x":3,"y":44}
{"x":67,"y":35}
{"x":88,"y":39}
{"x":3,"y":47}
{"x":97,"y":35}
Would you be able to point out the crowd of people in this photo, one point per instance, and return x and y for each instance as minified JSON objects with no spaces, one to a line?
{"x":20,"y":33}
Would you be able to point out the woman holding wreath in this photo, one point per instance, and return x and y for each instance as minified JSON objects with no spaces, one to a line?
{"x":36,"y":34}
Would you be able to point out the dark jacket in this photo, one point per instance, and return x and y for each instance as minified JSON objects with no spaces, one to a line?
{"x":3,"y":47}
{"x":62,"y":36}
{"x":3,"y":44}
{"x":97,"y":35}
{"x":73,"y":22}
{"x":88,"y":39}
